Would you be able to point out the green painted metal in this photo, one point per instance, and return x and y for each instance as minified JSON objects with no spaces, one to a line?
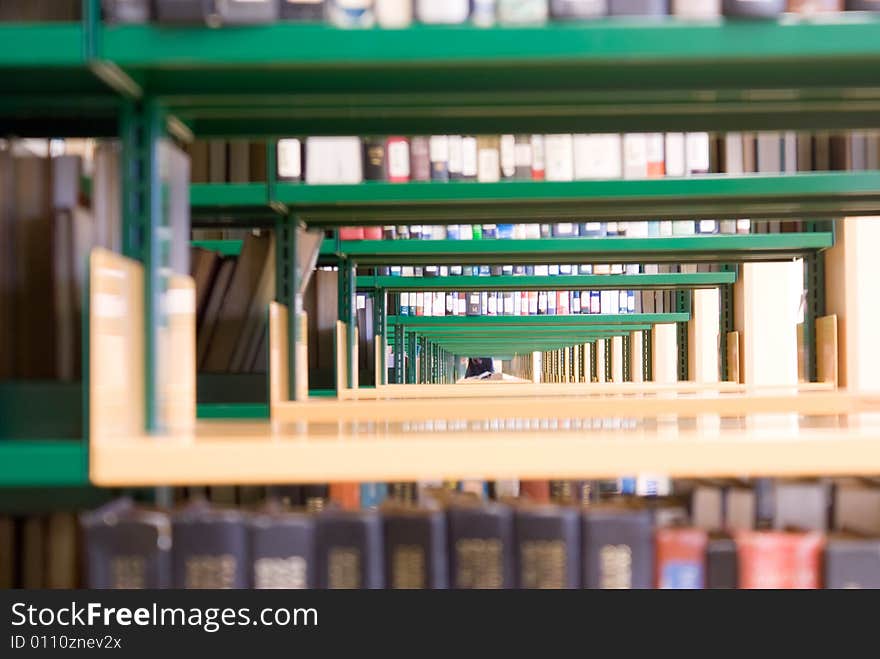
{"x":223,"y":247}
{"x":43,"y":462}
{"x":232,"y":411}
{"x":37,"y":45}
{"x":579,"y":77}
{"x":683,"y":300}
{"x":583,"y":320}
{"x":23,"y":406}
{"x":549,"y":283}
{"x":677,"y":249}
{"x":528,"y":330}
{"x":211,"y":196}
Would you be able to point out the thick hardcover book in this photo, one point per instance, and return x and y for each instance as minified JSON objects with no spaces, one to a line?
{"x":681,"y":558}
{"x":302,"y":10}
{"x":638,"y":7}
{"x":577,"y":9}
{"x":489,"y":159}
{"x":481,"y":546}
{"x":559,"y":155}
{"x":439,"y":153}
{"x":289,"y":159}
{"x":397,"y":160}
{"x":852,"y":562}
{"x":863,"y":5}
{"x":522,"y":155}
{"x":539,"y":172}
{"x":518,"y":12}
{"x":618,"y":548}
{"x":753,"y":8}
{"x":802,"y":505}
{"x":696,"y":8}
{"x":420,"y":158}
{"x":127,"y":11}
{"x":349,"y":546}
{"x":351,"y":13}
{"x":374,"y":158}
{"x":776,"y":559}
{"x":857,"y":508}
{"x":211,"y":548}
{"x":415,"y":549}
{"x":507,"y":156}
{"x":185,"y":11}
{"x":126,"y":547}
{"x":810,"y":7}
{"x":283,"y":550}
{"x":469,"y":158}
{"x":334,"y":160}
{"x":722,"y":566}
{"x":535,"y":490}
{"x":547,"y":540}
{"x":247,"y":12}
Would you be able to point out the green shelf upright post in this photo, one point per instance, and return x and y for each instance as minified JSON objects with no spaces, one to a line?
{"x":287,"y":288}
{"x":726,"y":320}
{"x":347,"y":312}
{"x":648,"y":355}
{"x":682,"y":305}
{"x":814,"y":307}
{"x":411,"y":343}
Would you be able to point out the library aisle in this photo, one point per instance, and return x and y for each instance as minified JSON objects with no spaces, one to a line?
{"x":437,"y":294}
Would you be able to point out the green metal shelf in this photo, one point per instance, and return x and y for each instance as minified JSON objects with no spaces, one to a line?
{"x":678,"y":249}
{"x":577,"y":320}
{"x":815,"y":194}
{"x":37,"y":462}
{"x":549,"y":283}
{"x":39,"y":45}
{"x":223,"y":247}
{"x":580,"y":77}
{"x":232,"y":411}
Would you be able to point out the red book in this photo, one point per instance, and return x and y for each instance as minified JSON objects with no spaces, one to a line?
{"x":777,"y":559}
{"x":681,"y":558}
{"x":538,"y":167}
{"x":346,"y":495}
{"x":538,"y":491}
{"x":562,"y":303}
{"x":397,"y":160}
{"x":373,"y":233}
{"x":351,"y":233}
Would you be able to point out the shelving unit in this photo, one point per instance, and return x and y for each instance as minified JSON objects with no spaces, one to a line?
{"x":143,"y":83}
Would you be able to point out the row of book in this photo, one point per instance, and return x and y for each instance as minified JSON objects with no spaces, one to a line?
{"x":49,"y":222}
{"x":227,"y":161}
{"x":232,"y":298}
{"x":460,"y":542}
{"x":568,"y":157}
{"x":395,"y":14}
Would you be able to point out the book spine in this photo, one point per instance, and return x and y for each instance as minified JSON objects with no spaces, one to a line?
{"x":397,"y":160}
{"x":415,"y":550}
{"x":374,"y":159}
{"x":681,"y":556}
{"x":539,"y":172}
{"x":547,"y":544}
{"x":350,"y":550}
{"x":481,"y":547}
{"x":440,"y":157}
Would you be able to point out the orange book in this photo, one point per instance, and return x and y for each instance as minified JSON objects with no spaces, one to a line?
{"x":537,"y":491}
{"x":779,"y":559}
{"x":346,"y":495}
{"x":681,"y":558}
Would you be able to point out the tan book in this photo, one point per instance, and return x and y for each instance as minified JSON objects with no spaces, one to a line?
{"x":33,"y":553}
{"x":198,"y":158}
{"x":255,"y":318}
{"x":107,"y":196}
{"x":257,"y":359}
{"x":217,"y":170}
{"x":236,"y":305}
{"x":7,"y":552}
{"x":62,"y":559}
{"x":212,"y":310}
{"x":239,"y":161}
{"x":258,"y":162}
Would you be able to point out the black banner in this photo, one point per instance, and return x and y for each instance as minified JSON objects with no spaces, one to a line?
{"x":240,"y":623}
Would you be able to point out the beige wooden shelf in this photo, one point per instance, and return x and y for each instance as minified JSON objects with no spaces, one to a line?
{"x":249,"y":453}
{"x":623,"y":405}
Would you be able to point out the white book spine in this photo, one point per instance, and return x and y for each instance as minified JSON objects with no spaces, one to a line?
{"x":675,"y":157}
{"x":559,"y":156}
{"x":469,"y":157}
{"x":635,"y":156}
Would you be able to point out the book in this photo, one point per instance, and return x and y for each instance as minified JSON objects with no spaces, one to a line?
{"x":185,"y":11}
{"x":420,"y":158}
{"x":247,"y":12}
{"x":857,"y":508}
{"x":483,"y":13}
{"x":442,"y":11}
{"x":302,"y":10}
{"x":350,"y":550}
{"x":415,"y":548}
{"x":538,"y":160}
{"x":62,"y":547}
{"x":374,"y":158}
{"x":237,"y":302}
{"x":547,"y":541}
{"x":283,"y":550}
{"x":810,"y":7}
{"x":577,"y":9}
{"x":635,"y":155}
{"x":518,"y":12}
{"x":481,"y":546}
{"x":333,"y":160}
{"x":488,"y":159}
{"x":469,"y":158}
{"x":393,"y":14}
{"x":439,"y":150}
{"x":126,"y":547}
{"x":681,"y":558}
{"x":507,"y":157}
{"x":210,"y":548}
{"x":778,"y":559}
{"x":722,"y":564}
{"x":255,"y":318}
{"x":618,"y":548}
{"x":559,"y":157}
{"x":638,"y":7}
{"x":290,"y":156}
{"x":351,"y":13}
{"x":127,"y":11}
{"x":753,"y":8}
{"x":802,"y":505}
{"x":851,"y":562}
{"x":696,"y":9}
{"x":208,"y":325}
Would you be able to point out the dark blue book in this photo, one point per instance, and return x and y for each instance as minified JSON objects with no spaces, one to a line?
{"x":415,"y":549}
{"x":548,"y":547}
{"x":481,"y":552}
{"x":350,"y":549}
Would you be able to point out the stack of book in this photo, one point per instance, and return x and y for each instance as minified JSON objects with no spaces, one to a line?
{"x":49,"y":222}
{"x":232,"y":298}
{"x":789,"y":534}
{"x":227,"y":161}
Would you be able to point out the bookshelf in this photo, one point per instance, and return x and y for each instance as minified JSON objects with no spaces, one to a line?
{"x":143,"y":82}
